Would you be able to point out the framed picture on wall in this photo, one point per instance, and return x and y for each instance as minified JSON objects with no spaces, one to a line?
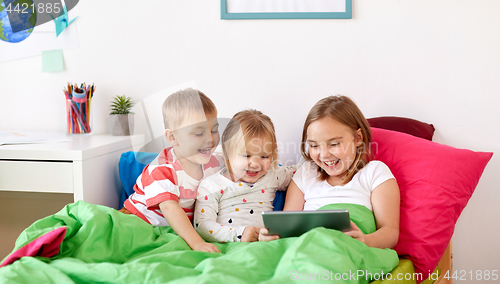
{"x":285,"y":9}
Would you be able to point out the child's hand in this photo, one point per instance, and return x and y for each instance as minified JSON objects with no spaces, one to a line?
{"x":356,"y":233}
{"x":264,"y":237}
{"x":250,"y":234}
{"x":203,"y":246}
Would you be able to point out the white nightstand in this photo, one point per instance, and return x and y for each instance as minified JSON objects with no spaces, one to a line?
{"x":86,"y":167}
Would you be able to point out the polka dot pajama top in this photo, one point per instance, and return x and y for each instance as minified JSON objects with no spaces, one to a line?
{"x":224,"y":208}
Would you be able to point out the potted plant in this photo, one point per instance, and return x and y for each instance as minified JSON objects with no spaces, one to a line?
{"x":122,"y":120}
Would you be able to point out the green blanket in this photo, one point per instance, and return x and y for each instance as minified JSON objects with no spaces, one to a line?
{"x":102,"y":245}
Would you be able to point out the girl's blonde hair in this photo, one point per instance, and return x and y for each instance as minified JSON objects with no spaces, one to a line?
{"x":244,"y":127}
{"x":343,"y":110}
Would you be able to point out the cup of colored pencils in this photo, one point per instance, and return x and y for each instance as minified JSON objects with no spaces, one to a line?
{"x":78,"y":103}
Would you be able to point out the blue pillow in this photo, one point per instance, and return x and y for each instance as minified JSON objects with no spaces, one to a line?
{"x":132,"y":163}
{"x":279,"y":200}
{"x":130,"y":167}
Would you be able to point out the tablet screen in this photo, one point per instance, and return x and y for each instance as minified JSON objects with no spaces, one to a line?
{"x":295,"y":223}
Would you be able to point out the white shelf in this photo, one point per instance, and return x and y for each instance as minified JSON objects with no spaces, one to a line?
{"x":81,"y":147}
{"x":87,"y":167}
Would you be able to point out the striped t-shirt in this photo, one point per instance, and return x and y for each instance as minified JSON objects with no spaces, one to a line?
{"x":164,"y":179}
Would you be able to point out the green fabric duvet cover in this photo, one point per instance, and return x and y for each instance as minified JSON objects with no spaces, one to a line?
{"x":102,"y":245}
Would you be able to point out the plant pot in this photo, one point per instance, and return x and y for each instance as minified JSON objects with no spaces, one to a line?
{"x":122,"y":124}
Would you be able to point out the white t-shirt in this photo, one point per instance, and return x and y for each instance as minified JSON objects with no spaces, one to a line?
{"x":319,"y":193}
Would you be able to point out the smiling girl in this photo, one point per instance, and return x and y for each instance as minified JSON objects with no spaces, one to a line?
{"x":336,"y":145}
{"x":230,"y":203}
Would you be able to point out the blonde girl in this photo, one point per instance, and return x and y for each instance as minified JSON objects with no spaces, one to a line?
{"x":336,"y":143}
{"x":230,"y":203}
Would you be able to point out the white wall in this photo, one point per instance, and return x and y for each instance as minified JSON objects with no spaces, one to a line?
{"x":435,"y":61}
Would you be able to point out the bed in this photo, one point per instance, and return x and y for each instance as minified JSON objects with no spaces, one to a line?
{"x":86,"y":243}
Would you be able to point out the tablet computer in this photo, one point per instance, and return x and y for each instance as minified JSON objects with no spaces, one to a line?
{"x":295,"y":223}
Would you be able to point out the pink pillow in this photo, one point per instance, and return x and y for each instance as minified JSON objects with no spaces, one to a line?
{"x":436,"y":182}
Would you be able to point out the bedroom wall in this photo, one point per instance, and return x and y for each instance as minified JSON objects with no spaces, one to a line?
{"x":435,"y":61}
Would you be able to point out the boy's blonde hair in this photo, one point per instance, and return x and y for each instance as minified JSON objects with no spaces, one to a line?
{"x":183,"y":103}
{"x":345,"y":111}
{"x":245,"y":126}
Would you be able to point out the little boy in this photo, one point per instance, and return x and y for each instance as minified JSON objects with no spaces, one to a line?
{"x":166,"y":190}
